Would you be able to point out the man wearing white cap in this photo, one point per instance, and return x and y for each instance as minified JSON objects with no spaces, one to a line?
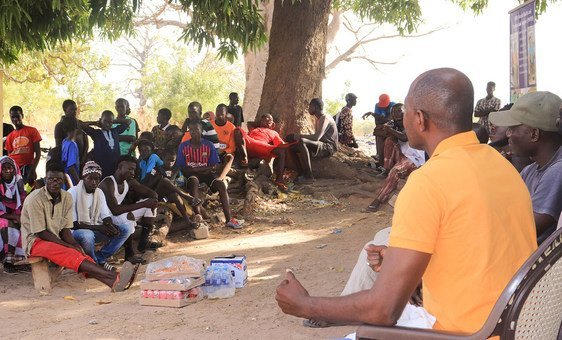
{"x":93,"y":219}
{"x":533,"y":133}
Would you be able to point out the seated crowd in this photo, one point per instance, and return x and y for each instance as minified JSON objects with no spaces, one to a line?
{"x":110,"y":192}
{"x":461,"y":197}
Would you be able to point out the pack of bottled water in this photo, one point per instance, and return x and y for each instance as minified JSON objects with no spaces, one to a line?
{"x":219,"y":282}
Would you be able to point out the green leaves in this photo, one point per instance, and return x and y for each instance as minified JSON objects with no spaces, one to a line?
{"x":37,"y":25}
{"x":230,"y":24}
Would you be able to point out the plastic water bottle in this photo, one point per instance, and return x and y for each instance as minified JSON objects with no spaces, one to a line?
{"x":219,"y":283}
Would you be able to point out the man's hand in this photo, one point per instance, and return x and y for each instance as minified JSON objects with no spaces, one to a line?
{"x":375,"y":255}
{"x":108,"y":229}
{"x":150,"y":203}
{"x":366,"y":114}
{"x":291,"y":296}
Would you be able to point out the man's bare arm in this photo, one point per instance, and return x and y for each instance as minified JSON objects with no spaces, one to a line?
{"x":383,"y":304}
{"x":117,"y":209}
{"x":319,"y":132}
{"x":543,"y":222}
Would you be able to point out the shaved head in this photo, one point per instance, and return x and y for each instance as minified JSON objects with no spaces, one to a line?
{"x":446,"y":98}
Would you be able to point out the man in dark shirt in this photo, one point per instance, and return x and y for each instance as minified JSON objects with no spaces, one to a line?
{"x":71,"y":110}
{"x":533,"y":133}
{"x":106,"y":140}
{"x":235,"y":110}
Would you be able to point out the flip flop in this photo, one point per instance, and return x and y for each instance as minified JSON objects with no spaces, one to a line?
{"x":135,"y":269}
{"x":136,"y":259}
{"x":317,"y":323}
{"x":374,"y":206}
{"x":282,"y":186}
{"x":123,"y":277}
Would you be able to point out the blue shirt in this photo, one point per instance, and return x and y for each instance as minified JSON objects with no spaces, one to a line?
{"x":106,"y":147}
{"x":146,"y":166}
{"x":204,"y":155}
{"x":70,"y":157}
{"x":384,"y":111}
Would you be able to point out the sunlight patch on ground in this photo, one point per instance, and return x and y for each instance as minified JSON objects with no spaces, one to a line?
{"x":246,"y":242}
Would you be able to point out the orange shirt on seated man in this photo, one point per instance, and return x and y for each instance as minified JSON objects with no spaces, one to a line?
{"x":463,"y":223}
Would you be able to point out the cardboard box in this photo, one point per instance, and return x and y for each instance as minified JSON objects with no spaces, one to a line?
{"x":238,"y":266}
{"x":175,"y":303}
{"x":169,"y":284}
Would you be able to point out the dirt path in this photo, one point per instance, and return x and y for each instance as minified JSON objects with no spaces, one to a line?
{"x":252,"y":313}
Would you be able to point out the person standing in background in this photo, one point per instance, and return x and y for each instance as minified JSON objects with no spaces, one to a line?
{"x":131,"y":134}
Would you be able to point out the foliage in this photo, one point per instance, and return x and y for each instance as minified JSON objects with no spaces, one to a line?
{"x":37,"y":25}
{"x":174,"y":82}
{"x":40,"y":81}
{"x":60,"y":64}
{"x":235,"y":25}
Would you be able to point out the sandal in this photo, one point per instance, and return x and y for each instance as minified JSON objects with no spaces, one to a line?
{"x":123,"y":277}
{"x":312,"y":323}
{"x":374,"y":206}
{"x":135,"y":269}
{"x":136,"y":259}
{"x":281,"y":186}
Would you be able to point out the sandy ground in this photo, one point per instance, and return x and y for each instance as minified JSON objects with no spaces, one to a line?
{"x":252,"y":313}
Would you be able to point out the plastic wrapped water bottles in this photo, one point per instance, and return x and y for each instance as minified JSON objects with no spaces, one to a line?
{"x":219,"y":283}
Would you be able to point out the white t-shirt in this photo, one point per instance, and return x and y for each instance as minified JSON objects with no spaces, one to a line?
{"x":104,"y":209}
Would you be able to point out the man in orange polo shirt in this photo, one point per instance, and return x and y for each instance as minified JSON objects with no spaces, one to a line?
{"x":463,"y":232}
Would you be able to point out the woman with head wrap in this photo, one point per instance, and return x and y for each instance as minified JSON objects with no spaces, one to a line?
{"x":11,"y":202}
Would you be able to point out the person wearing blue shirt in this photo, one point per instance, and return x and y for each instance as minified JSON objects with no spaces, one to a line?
{"x":70,"y":154}
{"x":381,"y":114}
{"x":153,"y":176}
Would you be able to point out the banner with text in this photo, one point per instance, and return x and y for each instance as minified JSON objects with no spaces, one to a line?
{"x":523,"y":68}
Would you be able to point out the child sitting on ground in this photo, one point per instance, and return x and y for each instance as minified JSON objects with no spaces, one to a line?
{"x":152,"y":175}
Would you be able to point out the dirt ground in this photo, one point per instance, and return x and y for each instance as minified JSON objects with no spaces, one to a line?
{"x":321,"y":247}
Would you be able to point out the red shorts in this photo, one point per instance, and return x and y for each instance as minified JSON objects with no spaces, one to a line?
{"x":63,"y":256}
{"x":260,"y":149}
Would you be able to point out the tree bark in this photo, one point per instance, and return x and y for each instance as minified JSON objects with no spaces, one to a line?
{"x":295,"y":68}
{"x":255,"y":63}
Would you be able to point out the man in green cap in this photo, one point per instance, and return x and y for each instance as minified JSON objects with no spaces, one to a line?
{"x":533,"y":133}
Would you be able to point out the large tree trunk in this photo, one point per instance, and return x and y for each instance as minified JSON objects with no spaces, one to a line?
{"x":255,"y":63}
{"x":295,"y":68}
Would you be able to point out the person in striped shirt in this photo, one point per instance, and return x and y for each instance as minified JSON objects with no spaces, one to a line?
{"x":194,"y":110}
{"x":198,"y":160}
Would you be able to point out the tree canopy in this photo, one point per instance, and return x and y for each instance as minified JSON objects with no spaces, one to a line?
{"x":231,"y":26}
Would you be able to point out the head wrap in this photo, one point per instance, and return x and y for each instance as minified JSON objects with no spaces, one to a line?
{"x":91,"y":167}
{"x":13,"y":190}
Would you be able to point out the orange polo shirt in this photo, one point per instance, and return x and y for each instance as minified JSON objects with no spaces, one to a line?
{"x":469,"y":208}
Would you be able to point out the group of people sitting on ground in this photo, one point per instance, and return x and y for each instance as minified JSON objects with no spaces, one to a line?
{"x":451,"y":213}
{"x":112,"y":192}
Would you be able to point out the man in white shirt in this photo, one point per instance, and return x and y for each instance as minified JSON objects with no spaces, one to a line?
{"x":93,"y":219}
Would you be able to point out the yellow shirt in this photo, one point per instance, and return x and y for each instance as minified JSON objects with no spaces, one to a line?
{"x":469,"y":208}
{"x":40,"y":212}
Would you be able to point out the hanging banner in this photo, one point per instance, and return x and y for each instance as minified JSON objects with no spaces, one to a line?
{"x":523,"y":68}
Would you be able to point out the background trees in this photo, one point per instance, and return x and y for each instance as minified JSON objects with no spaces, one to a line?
{"x":293,"y":74}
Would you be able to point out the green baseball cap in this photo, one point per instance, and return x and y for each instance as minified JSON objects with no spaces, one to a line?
{"x":536,"y":109}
